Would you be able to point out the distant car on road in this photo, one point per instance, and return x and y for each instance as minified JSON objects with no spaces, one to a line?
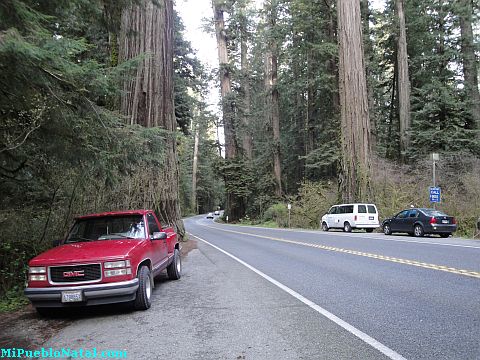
{"x":351,"y":216}
{"x":210,"y":215}
{"x":420,"y":221}
{"x":217,"y":213}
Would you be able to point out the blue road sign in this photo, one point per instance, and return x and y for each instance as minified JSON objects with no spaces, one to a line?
{"x":435,"y":194}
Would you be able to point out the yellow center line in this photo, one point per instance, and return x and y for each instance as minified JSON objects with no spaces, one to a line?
{"x":452,"y":270}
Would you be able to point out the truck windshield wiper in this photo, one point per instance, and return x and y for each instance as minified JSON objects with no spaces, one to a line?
{"x":78,"y":239}
{"x":122,"y":236}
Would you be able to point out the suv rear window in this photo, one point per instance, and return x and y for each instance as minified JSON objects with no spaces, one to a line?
{"x":362,"y":209}
{"x":371,"y":209}
{"x":346,"y":209}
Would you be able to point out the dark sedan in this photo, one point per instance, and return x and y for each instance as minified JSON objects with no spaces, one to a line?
{"x":417,"y":222}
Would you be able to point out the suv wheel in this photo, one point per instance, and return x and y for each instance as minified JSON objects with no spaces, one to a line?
{"x":144,"y":291}
{"x":418,"y":231}
{"x":174,"y":270}
{"x":347,"y":227}
{"x":324,"y":226}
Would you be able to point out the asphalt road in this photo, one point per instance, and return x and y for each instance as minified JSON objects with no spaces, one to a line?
{"x":253,"y":293}
{"x":419,"y":298}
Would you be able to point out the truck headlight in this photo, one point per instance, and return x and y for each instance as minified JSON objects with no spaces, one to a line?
{"x":37,"y":270}
{"x":121,"y":267}
{"x":116,"y":264}
{"x":118,"y":272}
{"x":37,"y":277}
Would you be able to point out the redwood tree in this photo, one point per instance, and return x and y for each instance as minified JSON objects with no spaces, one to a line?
{"x":147,"y":99}
{"x":355,"y":124}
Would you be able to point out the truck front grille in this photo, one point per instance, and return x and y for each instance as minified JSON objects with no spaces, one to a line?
{"x":75,"y":273}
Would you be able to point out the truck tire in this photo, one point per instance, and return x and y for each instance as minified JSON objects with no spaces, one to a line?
{"x":143,"y":300}
{"x":174,"y":270}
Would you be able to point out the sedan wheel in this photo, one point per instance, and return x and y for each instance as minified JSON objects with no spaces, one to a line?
{"x":387,"y":230}
{"x":418,"y":231}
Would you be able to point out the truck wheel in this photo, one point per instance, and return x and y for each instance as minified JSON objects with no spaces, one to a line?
{"x":174,"y":270}
{"x":347,"y":227}
{"x":369,"y":230}
{"x":418,"y":231}
{"x":144,"y":291}
{"x":324,"y":226}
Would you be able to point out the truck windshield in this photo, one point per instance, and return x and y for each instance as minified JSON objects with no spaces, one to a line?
{"x":107,"y":228}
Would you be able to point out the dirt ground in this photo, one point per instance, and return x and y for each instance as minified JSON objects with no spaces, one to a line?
{"x":26,"y":329}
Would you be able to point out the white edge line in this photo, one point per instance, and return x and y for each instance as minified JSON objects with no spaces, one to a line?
{"x":391,"y":354}
{"x":355,"y":236}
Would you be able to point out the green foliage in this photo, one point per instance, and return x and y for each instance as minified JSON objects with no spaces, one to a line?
{"x":277,"y":213}
{"x":12,"y":301}
{"x":313,"y":201}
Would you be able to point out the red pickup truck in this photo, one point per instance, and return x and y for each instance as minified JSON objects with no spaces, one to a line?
{"x":106,"y":258}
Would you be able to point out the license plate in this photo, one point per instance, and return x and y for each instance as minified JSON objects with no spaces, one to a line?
{"x":371,"y":218}
{"x":72,"y":296}
{"x":445,"y":221}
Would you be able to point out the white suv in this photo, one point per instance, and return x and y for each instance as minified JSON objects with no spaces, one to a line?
{"x":351,"y":216}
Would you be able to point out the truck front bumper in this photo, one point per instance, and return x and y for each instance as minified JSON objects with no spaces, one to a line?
{"x":97,"y":294}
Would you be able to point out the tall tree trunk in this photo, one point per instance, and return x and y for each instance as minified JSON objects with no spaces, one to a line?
{"x":368,"y":70}
{"x":298,"y":117}
{"x":403,"y":82}
{"x":194,"y":169}
{"x":147,"y":30}
{"x":235,"y":207}
{"x":355,"y":122}
{"x":271,"y":73}
{"x":245,"y":85}
{"x":469,"y":62}
{"x":225,"y":81}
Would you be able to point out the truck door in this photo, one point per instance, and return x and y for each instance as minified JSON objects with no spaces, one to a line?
{"x":159,"y":247}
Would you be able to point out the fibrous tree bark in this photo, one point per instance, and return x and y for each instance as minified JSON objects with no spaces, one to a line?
{"x":355,"y":124}
{"x":147,"y":33}
{"x":365,"y":11}
{"x":469,"y":61}
{"x":235,"y":207}
{"x":225,"y":80}
{"x":195,"y":168}
{"x":271,"y":89}
{"x":247,"y":142}
{"x":403,"y":82}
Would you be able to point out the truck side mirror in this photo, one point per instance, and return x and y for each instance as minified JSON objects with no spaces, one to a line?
{"x":161,"y":235}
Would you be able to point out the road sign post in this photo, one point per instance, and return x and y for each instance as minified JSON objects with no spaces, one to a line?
{"x":435,"y":157}
{"x":289,"y":206}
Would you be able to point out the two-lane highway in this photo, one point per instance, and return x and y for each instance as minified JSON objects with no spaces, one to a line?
{"x":402,"y":296}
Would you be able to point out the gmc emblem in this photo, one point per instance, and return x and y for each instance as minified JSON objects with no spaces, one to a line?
{"x":69,"y":274}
